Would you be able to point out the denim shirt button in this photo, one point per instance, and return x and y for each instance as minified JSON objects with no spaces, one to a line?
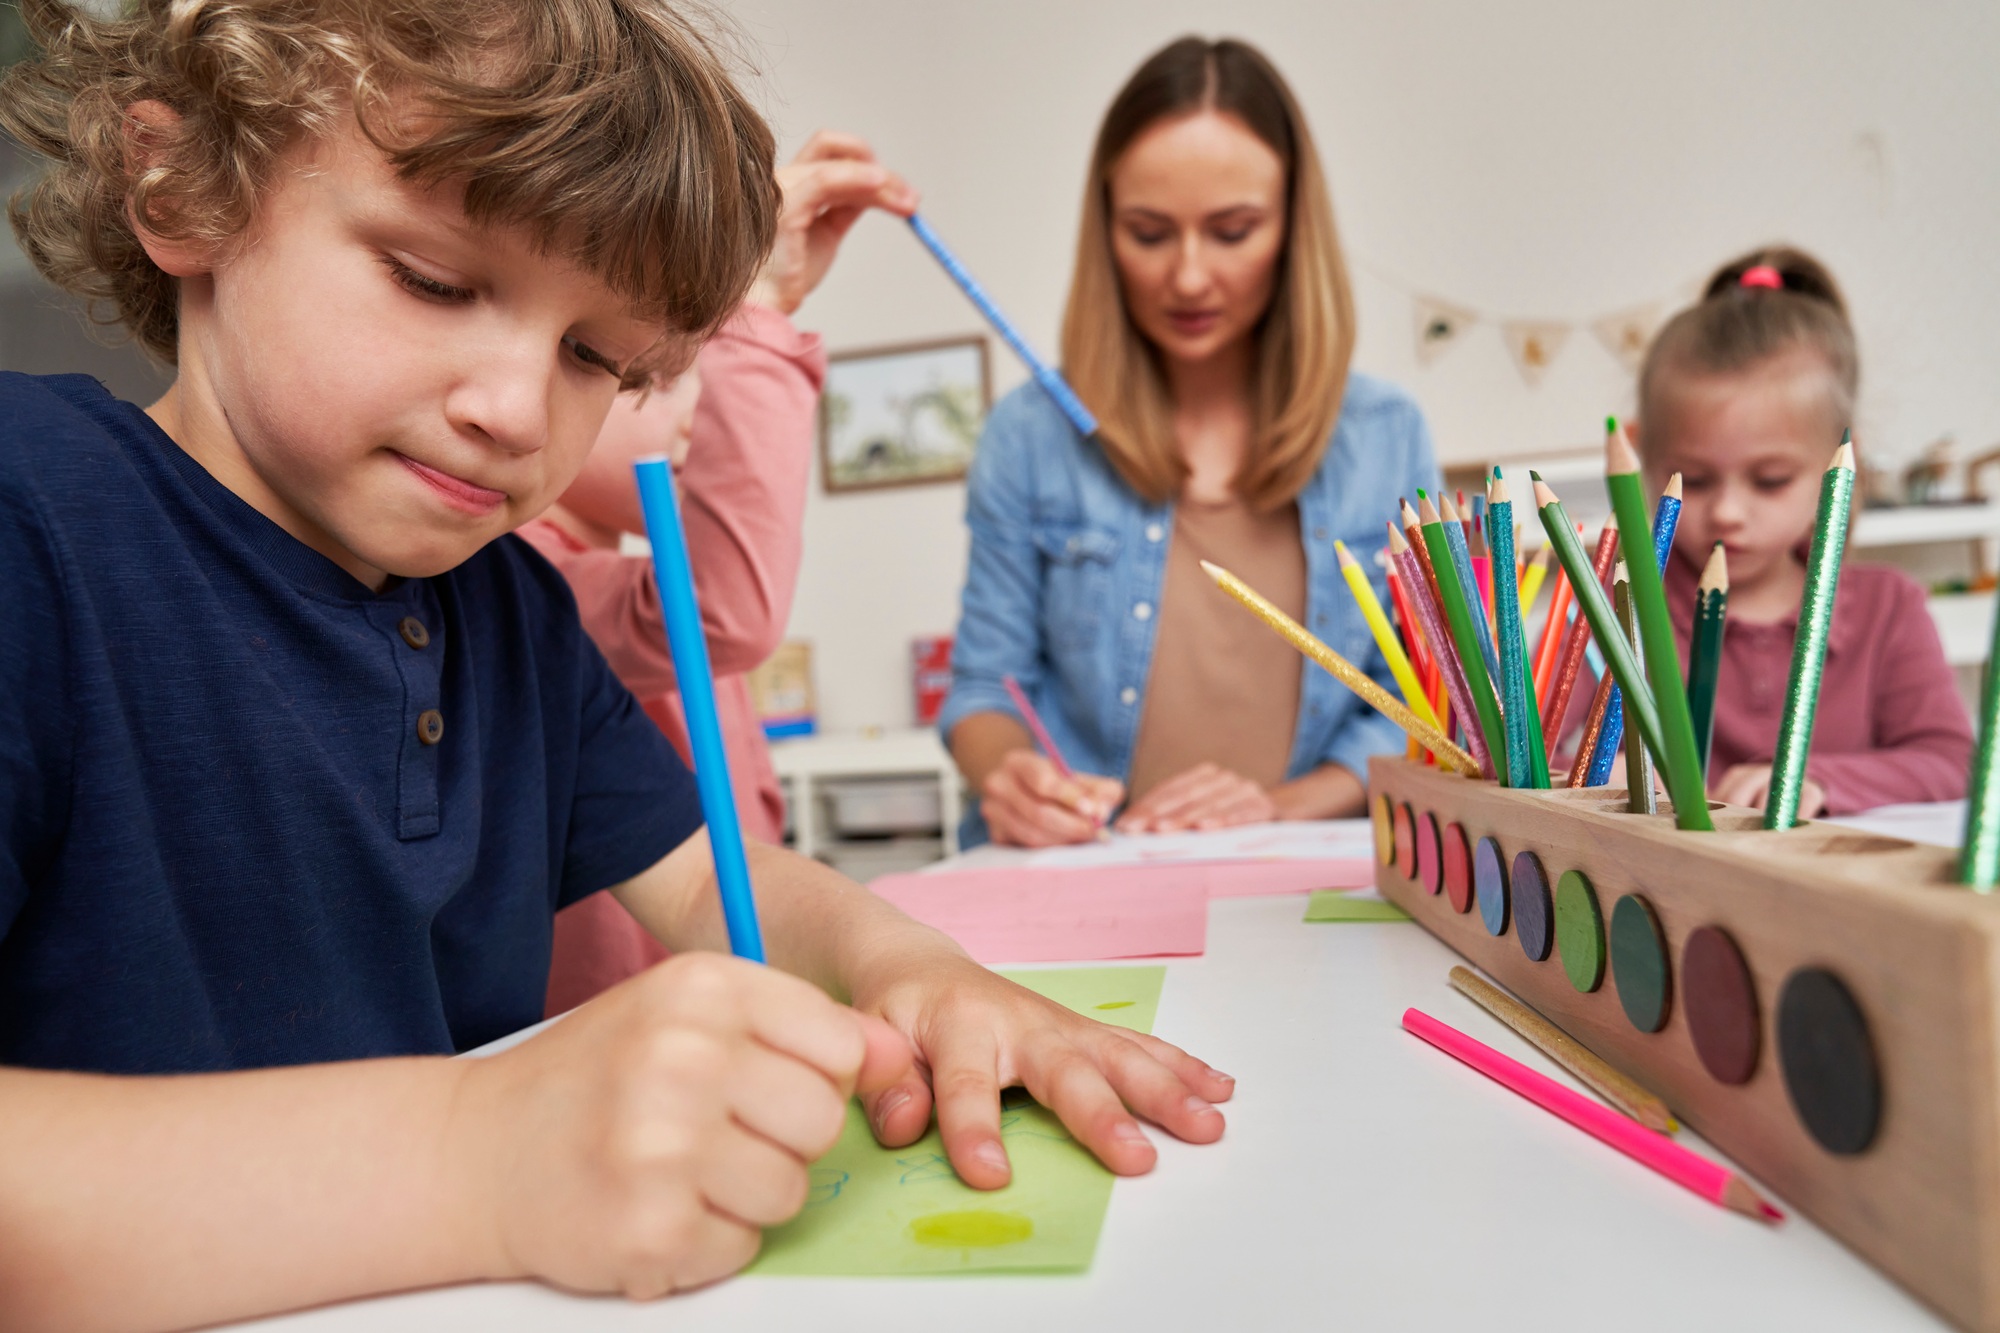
{"x":1154,"y":532}
{"x":1128,"y":696}
{"x":1143,"y":611}
{"x":1319,"y":534}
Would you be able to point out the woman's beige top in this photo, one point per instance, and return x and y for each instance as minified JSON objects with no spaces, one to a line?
{"x":1224,"y":689}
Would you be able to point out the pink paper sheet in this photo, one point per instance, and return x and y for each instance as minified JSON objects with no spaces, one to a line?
{"x":1060,"y":916}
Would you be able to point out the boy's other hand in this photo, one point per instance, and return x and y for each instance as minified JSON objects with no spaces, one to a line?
{"x":1750,"y":784}
{"x":977,"y":1032}
{"x":827,"y":187}
{"x":639,"y":1145}
{"x":1028,"y":803}
{"x":1206,"y":796}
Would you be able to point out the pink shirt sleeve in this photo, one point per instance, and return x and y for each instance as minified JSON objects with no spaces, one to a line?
{"x":743,"y":495}
{"x":1922,"y":736}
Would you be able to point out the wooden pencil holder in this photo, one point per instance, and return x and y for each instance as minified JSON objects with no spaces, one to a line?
{"x":1819,"y":1003}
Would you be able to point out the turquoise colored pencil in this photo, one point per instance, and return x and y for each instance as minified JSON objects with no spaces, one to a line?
{"x":1527,"y":757}
{"x":1453,"y":600}
{"x":1456,"y":541}
{"x":1675,"y":752}
{"x":1788,"y":767}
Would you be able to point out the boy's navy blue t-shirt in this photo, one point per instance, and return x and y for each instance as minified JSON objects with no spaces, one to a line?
{"x":252,"y":813}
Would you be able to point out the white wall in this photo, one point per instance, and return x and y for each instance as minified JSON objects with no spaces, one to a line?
{"x":1561,"y":159}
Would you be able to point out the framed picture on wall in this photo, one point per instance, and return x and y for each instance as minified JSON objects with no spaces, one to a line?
{"x":905,"y":415}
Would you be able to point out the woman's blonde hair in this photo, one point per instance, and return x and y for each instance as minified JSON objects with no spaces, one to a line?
{"x":1306,"y":337}
{"x":612,"y":130}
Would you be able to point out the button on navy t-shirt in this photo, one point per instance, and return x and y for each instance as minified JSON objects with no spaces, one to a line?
{"x":253,"y":813}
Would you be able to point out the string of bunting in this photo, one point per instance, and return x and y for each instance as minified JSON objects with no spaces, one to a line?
{"x":1439,"y":324}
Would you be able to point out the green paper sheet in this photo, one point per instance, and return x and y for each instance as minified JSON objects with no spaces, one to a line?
{"x":877,"y":1211}
{"x":1341,"y":905}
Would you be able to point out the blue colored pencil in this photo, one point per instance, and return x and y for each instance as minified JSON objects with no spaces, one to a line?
{"x":697,"y":687}
{"x":1666,"y":517}
{"x":1461,"y":563}
{"x":1045,"y":375}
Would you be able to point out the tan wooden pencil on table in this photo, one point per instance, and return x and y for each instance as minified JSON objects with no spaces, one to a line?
{"x":1566,"y":1051}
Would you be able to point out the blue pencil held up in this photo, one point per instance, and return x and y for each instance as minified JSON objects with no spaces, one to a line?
{"x":1045,"y":375}
{"x":697,"y":687}
{"x":1665,"y":519}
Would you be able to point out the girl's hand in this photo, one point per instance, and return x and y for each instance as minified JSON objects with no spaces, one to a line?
{"x":1028,"y":803}
{"x":638,"y":1145}
{"x":827,"y":187}
{"x":1750,"y":784}
{"x":976,"y":1033}
{"x":1204,"y":797}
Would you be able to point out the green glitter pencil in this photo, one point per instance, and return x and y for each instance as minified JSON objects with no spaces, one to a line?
{"x":1788,"y":767}
{"x":1674,"y":751}
{"x":1979,"y":866}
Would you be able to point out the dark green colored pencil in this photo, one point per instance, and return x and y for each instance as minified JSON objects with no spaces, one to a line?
{"x":1711,"y":608}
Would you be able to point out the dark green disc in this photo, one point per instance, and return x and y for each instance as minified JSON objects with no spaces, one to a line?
{"x":1639,"y":966}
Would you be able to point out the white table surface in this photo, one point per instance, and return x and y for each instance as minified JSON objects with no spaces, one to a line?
{"x":1367,"y":1182}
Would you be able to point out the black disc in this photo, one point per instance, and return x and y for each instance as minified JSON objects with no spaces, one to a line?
{"x":1828,"y":1061}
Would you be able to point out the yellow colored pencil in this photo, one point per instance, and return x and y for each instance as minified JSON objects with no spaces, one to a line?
{"x":1385,"y":635}
{"x":1344,"y":671}
{"x":1531,"y":580}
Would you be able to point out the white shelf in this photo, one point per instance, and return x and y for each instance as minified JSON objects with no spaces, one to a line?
{"x":1922,"y":525}
{"x":1965,"y":624}
{"x":802,"y":764}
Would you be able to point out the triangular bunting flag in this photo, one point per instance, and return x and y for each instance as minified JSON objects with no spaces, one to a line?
{"x":1439,"y":325}
{"x":1534,"y":343}
{"x":1625,"y":333}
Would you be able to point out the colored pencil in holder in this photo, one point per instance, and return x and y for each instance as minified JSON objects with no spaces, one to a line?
{"x":1795,"y":724}
{"x":1532,"y":576}
{"x":688,"y":644}
{"x":1671,"y":734}
{"x":1576,"y":640}
{"x":1666,"y":520}
{"x":1448,"y":754}
{"x":1549,"y":646}
{"x":1979,"y":861}
{"x":1711,"y":611}
{"x":1454,"y":601}
{"x":1639,"y":797}
{"x":1456,"y":697}
{"x":1475,"y":592}
{"x":1044,"y":374}
{"x":1527,"y":761}
{"x":1385,"y":637}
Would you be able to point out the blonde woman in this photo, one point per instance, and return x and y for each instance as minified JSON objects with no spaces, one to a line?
{"x":1209,"y":327}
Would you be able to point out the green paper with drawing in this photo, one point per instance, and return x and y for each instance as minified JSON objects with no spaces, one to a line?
{"x":877,"y":1211}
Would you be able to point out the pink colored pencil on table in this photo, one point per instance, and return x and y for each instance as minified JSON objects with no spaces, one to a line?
{"x":1711,"y":1180}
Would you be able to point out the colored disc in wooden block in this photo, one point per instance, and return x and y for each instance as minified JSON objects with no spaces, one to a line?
{"x":1430,"y":858}
{"x":1457,"y":866}
{"x":1580,"y":931}
{"x":1534,"y":917}
{"x":1828,"y":1061}
{"x":1639,"y":965}
{"x":1406,"y":841}
{"x":1489,"y":879}
{"x":1385,"y":832}
{"x":1721,"y":1004}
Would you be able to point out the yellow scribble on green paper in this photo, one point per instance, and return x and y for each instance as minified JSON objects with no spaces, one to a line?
{"x":977,"y":1228}
{"x":1115,"y":1004}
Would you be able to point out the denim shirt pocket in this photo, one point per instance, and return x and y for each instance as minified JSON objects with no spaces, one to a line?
{"x":1077,"y":565}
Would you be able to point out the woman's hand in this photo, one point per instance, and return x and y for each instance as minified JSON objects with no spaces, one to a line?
{"x":827,"y":187}
{"x":1205,"y":797}
{"x":1750,"y":784}
{"x":1028,"y":803}
{"x":976,"y":1033}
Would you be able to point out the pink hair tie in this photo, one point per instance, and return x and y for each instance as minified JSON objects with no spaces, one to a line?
{"x":1762,"y":275}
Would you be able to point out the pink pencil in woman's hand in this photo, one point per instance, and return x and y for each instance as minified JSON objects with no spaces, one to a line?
{"x":1711,"y":1180}
{"x":1035,"y":727}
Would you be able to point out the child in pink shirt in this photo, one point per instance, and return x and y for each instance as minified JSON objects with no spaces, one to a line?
{"x":738,"y":425}
{"x":1746,"y":394}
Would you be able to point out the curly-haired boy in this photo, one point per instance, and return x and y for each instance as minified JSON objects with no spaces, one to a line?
{"x":299,"y":751}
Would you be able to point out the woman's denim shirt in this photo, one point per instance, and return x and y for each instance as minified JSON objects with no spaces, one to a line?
{"x":1064,"y":582}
